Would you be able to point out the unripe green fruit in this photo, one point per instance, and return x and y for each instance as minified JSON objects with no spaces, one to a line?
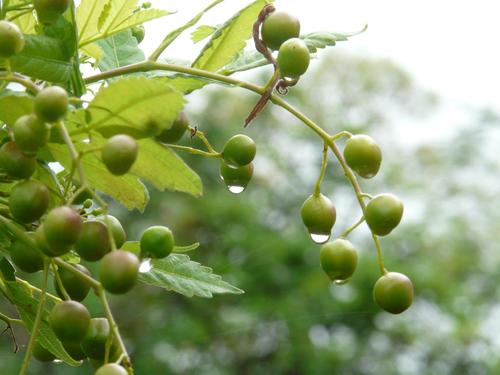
{"x":239,"y":150}
{"x":48,"y":11}
{"x":393,"y":292}
{"x":339,"y":259}
{"x":236,"y":179}
{"x":176,"y":131}
{"x":363,"y":155}
{"x":383,"y":213}
{"x":118,"y":271}
{"x":93,"y":242}
{"x":69,"y":320}
{"x":157,"y":242}
{"x":41,"y":354}
{"x":28,"y":200}
{"x":111,"y":369}
{"x":74,"y":350}
{"x":15,"y":162}
{"x":119,"y":154}
{"x":30,"y":133}
{"x":319,"y":215}
{"x":293,"y":58}
{"x":62,"y":227}
{"x":116,"y":228}
{"x":26,"y":257}
{"x":41,"y":242}
{"x":94,"y":342}
{"x":278,"y":27}
{"x":51,"y":104}
{"x":11,"y":39}
{"x":76,"y":288}
{"x":138,"y":32}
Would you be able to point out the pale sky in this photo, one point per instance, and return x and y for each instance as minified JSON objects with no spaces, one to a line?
{"x":450,"y":47}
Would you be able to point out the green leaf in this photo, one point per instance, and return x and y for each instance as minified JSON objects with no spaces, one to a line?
{"x":318,"y":40}
{"x":119,"y":50}
{"x":137,"y":106}
{"x":42,"y":58}
{"x":127,"y":190}
{"x":99,"y":21}
{"x":163,"y":168}
{"x":14,"y":105}
{"x":228,"y":40}
{"x":27,"y":306}
{"x":202,"y":32}
{"x":47,"y":176}
{"x":7,"y":269}
{"x":180,"y":274}
{"x":251,"y":59}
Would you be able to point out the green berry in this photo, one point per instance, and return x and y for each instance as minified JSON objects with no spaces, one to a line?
{"x":239,"y":150}
{"x":94,"y":342}
{"x":119,"y":154}
{"x":293,"y":58}
{"x":116,"y":228}
{"x":15,"y":162}
{"x":338,"y":259}
{"x":157,"y":242}
{"x":69,"y":320}
{"x":27,"y":258}
{"x":363,"y":155}
{"x":393,"y":292}
{"x":175,"y":132}
{"x":93,"y":242}
{"x":11,"y":39}
{"x":138,"y":32}
{"x":76,"y":288}
{"x":319,"y":215}
{"x":41,"y":354}
{"x":62,"y":227}
{"x":111,"y":369}
{"x":30,"y":133}
{"x":118,"y":271}
{"x":51,"y":104}
{"x":28,"y":200}
{"x":278,"y":27}
{"x":383,"y":213}
{"x":74,"y":349}
{"x":49,"y":11}
{"x":236,"y":179}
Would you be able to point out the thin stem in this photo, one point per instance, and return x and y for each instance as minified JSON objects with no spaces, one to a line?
{"x":10,"y":321}
{"x":205,"y":141}
{"x":352,"y":227}
{"x":114,"y":330}
{"x":341,"y":134}
{"x":72,"y":150}
{"x":59,"y":281}
{"x":327,"y":138}
{"x":324,"y":162}
{"x":38,"y":320}
{"x":37,"y":290}
{"x":21,"y":80}
{"x":175,"y":33}
{"x":194,"y":151}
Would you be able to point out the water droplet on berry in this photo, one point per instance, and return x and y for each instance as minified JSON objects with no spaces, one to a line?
{"x":320,"y":238}
{"x":145,"y":266}
{"x":340,"y":282}
{"x":235,"y":189}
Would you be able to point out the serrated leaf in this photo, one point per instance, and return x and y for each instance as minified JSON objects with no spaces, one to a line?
{"x":127,"y":190}
{"x":114,"y":16}
{"x":180,"y":274}
{"x":14,"y":105}
{"x":27,"y":306}
{"x":119,"y":50}
{"x":137,"y":106}
{"x":251,"y":59}
{"x":163,"y":168}
{"x":229,"y":39}
{"x":87,"y":18}
{"x":93,"y":50}
{"x":202,"y":32}
{"x":42,"y":58}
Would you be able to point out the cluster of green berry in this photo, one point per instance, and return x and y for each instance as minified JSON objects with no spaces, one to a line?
{"x":393,"y":291}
